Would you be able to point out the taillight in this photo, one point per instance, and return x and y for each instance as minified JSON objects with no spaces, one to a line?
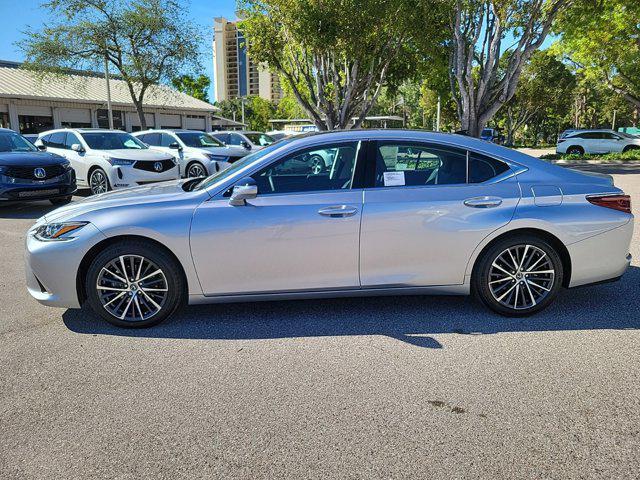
{"x":617,"y":202}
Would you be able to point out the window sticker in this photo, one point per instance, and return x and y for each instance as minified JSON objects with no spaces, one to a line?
{"x":393,"y":179}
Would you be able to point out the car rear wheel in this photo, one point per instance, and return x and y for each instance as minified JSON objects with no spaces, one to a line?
{"x":99,"y":182}
{"x":518,"y":276}
{"x":60,"y":200}
{"x":134,"y":284}
{"x":631,"y":147}
{"x":574,"y":150}
{"x":196,"y":170}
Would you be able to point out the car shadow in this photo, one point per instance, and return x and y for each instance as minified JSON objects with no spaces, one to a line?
{"x":413,"y":320}
{"x":608,"y":168}
{"x":26,"y":211}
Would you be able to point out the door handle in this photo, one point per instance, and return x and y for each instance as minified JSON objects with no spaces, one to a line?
{"x":338,"y":211}
{"x":483,"y":202}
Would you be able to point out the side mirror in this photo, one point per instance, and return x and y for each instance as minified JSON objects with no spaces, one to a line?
{"x":41,"y":147}
{"x":175,"y":146}
{"x":244,"y":190}
{"x":246,"y":144}
{"x":76,"y":147}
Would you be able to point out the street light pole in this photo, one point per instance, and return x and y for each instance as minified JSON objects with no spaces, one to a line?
{"x":106,"y":77}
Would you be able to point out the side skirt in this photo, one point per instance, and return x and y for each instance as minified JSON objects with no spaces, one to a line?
{"x":352,"y":292}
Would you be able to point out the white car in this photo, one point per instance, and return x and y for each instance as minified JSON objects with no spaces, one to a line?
{"x":198,"y":153}
{"x":108,"y":159}
{"x":248,"y":140}
{"x":580,"y":142}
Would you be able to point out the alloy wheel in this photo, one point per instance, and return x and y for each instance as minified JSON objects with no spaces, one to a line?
{"x":98,"y":182}
{"x":132,"y":288}
{"x":521,"y":276}
{"x":317,"y":165}
{"x":196,"y":170}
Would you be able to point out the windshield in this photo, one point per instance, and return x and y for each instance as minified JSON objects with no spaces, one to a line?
{"x":199,"y":140}
{"x":261,"y":139}
{"x":239,"y":165}
{"x":12,"y":142}
{"x":112,"y":141}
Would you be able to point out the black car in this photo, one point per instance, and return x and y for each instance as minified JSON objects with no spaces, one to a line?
{"x":27,"y":173}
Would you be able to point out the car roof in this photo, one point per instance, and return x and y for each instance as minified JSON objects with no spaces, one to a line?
{"x":167,"y":130}
{"x":81,"y":130}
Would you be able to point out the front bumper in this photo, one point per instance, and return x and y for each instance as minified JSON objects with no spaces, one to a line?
{"x":52,"y":267}
{"x":128,"y":176}
{"x":21,"y":190}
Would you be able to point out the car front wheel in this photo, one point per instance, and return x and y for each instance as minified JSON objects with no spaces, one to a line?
{"x":518,"y":276}
{"x":134,"y":284}
{"x":99,"y":182}
{"x":196,"y":170}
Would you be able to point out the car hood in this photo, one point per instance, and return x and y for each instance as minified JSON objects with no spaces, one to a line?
{"x":30,"y":158}
{"x":226,"y":151}
{"x":152,"y":193}
{"x":131,"y":154}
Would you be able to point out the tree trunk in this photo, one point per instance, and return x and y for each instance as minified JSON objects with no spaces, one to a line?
{"x":141,"y":116}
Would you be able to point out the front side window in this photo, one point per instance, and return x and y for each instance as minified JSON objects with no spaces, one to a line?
{"x":329,"y":167}
{"x":71,"y":140}
{"x":235,"y":139}
{"x":151,"y":139}
{"x":12,"y":142}
{"x":55,"y":140}
{"x":199,"y":140}
{"x":166,"y":140}
{"x":261,"y":139}
{"x":403,"y":164}
{"x":112,"y":141}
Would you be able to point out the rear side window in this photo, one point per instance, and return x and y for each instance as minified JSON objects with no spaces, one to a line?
{"x":482,"y":168}
{"x":589,"y":136}
{"x":166,"y":140}
{"x":404,"y":164}
{"x":152,"y":139}
{"x":55,"y":140}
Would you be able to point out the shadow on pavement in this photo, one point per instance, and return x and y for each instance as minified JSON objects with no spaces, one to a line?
{"x":412,"y":320}
{"x":25,"y":211}
{"x":611,"y":169}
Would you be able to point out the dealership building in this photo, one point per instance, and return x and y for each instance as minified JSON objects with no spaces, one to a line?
{"x":30,"y":104}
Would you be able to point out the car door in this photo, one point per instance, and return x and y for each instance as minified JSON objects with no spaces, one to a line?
{"x":300,"y":233}
{"x":611,"y":142}
{"x":426,"y":208}
{"x":75,"y":158}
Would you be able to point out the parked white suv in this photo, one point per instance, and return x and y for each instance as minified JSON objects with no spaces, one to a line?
{"x":198,"y":153}
{"x":248,"y":140}
{"x":108,"y":159}
{"x":596,"y":142}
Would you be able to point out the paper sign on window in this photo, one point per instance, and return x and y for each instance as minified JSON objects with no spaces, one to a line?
{"x":393,"y":179}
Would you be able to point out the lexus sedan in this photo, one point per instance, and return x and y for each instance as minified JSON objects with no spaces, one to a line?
{"x":29,"y":174}
{"x":397,"y":212}
{"x":591,"y":142}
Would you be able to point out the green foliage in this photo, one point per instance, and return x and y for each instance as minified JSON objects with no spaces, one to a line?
{"x":336,"y":54}
{"x":147,"y":41}
{"x":257,"y":111}
{"x":601,"y":37}
{"x":629,"y":156}
{"x":197,"y":87}
{"x":543,"y":102}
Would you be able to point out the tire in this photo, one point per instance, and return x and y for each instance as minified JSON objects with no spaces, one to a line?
{"x":60,"y":200}
{"x":628,"y":148}
{"x":514,"y":292}
{"x":196,"y":169}
{"x":575,"y":150}
{"x":135,"y":304}
{"x":98,"y":181}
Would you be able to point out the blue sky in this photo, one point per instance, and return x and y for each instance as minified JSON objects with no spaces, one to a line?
{"x":16,"y":18}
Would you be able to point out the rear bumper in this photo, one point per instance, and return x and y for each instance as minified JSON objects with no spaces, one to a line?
{"x":602,"y":257}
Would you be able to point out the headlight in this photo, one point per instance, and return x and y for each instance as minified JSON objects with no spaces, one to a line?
{"x":120,"y":161}
{"x":217,"y":158}
{"x":66,"y":165}
{"x":57,"y":231}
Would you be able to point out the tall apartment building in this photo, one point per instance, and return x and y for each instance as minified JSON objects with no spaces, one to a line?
{"x":234,"y":73}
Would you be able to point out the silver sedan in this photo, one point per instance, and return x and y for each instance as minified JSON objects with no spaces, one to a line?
{"x":394,"y":213}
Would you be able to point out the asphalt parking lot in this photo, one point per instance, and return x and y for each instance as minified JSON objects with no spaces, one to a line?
{"x":406,"y":387}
